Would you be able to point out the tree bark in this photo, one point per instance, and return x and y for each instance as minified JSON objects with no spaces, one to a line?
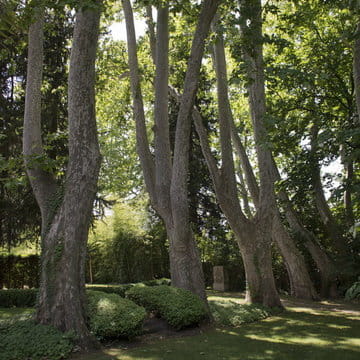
{"x":253,"y":242}
{"x":42,"y":182}
{"x":330,"y":223}
{"x":166,"y":182}
{"x":356,"y":70}
{"x":62,"y":290}
{"x":324,"y":263}
{"x":301,"y":285}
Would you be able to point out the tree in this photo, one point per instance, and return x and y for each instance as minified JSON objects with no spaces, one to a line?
{"x":66,"y":210}
{"x":166,"y":179}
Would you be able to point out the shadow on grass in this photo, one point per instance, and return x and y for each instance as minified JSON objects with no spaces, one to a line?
{"x":15,"y":313}
{"x":296,"y":334}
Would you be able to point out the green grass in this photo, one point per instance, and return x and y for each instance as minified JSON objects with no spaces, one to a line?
{"x":15,"y":313}
{"x":305,"y":331}
{"x":302,"y":332}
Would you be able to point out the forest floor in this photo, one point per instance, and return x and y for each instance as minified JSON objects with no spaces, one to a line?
{"x":305,"y":331}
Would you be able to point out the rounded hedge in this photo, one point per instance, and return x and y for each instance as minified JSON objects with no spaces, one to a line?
{"x":179,"y":307}
{"x":111,"y":316}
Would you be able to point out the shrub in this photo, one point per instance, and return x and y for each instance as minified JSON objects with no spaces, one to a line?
{"x":24,"y":339}
{"x":18,"y":271}
{"x":121,"y":289}
{"x":111,"y":289}
{"x":111,"y":316}
{"x":179,"y":307}
{"x":353,"y":293}
{"x":18,"y":297}
{"x":157,"y":282}
{"x":230,"y":313}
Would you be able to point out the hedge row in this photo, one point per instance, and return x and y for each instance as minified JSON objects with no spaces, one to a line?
{"x":18,"y":271}
{"x":18,"y":298}
{"x":123,"y":288}
{"x":27,"y":297}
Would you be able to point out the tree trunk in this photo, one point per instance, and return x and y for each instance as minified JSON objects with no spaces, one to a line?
{"x":166,"y":182}
{"x":42,"y":182}
{"x":325,"y":265}
{"x":301,"y":285}
{"x":356,"y":70}
{"x":330,"y":223}
{"x":253,"y":240}
{"x":68,"y":211}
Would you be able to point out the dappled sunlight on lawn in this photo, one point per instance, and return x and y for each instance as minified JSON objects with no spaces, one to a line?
{"x":297,"y":334}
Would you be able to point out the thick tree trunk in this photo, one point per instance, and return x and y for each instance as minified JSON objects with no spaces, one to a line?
{"x":166,"y":182}
{"x":68,"y":211}
{"x":330,"y":223}
{"x":42,"y":182}
{"x":257,"y":259}
{"x":356,"y":70}
{"x":301,"y":285}
{"x":253,"y":240}
{"x":325,"y":265}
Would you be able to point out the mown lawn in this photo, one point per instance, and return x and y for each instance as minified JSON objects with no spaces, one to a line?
{"x":305,"y":331}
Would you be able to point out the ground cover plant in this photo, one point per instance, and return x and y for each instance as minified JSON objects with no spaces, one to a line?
{"x":310,"y":331}
{"x":306,"y":330}
{"x":24,"y":339}
{"x":179,"y":307}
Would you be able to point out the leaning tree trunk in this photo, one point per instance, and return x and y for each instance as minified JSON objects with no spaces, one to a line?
{"x":166,"y":181}
{"x":68,"y":210}
{"x":331,"y":225}
{"x":253,"y":241}
{"x":301,"y":285}
{"x":356,"y":70}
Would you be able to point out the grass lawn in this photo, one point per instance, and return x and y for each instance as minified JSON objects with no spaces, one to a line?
{"x":15,"y":313}
{"x":305,"y":331}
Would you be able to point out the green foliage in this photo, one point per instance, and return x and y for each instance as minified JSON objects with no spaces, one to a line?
{"x":18,"y":297}
{"x":111,"y":316}
{"x":127,"y":248}
{"x":179,"y":307}
{"x":24,"y":339}
{"x":19,"y":271}
{"x":123,"y":288}
{"x":231,"y":313}
{"x":353,"y":293}
{"x":111,"y":289}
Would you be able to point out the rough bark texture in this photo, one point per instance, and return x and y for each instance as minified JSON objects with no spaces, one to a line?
{"x":62,"y":290}
{"x":301,"y":285}
{"x":187,"y":273}
{"x":324,"y":263}
{"x":330,"y":223}
{"x":42,"y":182}
{"x":356,"y":70}
{"x":254,"y":250}
{"x":166,"y":182}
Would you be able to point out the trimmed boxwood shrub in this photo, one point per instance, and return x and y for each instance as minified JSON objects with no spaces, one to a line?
{"x":111,"y":316}
{"x":179,"y":307}
{"x":18,"y":297}
{"x":24,"y":339}
{"x":157,"y":282}
{"x":111,"y":289}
